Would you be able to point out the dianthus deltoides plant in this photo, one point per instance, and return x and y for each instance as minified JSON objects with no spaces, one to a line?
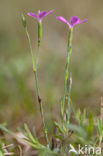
{"x":74,"y":130}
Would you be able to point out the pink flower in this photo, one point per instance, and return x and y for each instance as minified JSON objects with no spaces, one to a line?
{"x":73,"y":21}
{"x":40,"y":15}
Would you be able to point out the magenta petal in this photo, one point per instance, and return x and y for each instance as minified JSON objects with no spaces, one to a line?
{"x":62,"y":19}
{"x":74,"y":20}
{"x":49,"y":12}
{"x":42,"y":14}
{"x":83,"y":21}
{"x":32,"y":14}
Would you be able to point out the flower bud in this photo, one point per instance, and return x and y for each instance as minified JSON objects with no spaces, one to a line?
{"x":24,"y":21}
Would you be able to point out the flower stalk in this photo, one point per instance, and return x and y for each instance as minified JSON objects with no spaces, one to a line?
{"x":74,"y":20}
{"x":39,"y":17}
{"x":39,"y":42}
{"x":36,"y":80}
{"x":29,"y":41}
{"x":35,"y":66}
{"x":67,"y":81}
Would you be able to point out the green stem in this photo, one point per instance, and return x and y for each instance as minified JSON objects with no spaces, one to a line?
{"x":68,"y":111}
{"x":36,"y":79}
{"x":31,"y":51}
{"x":39,"y":42}
{"x":37,"y":57}
{"x":41,"y":108}
{"x":69,"y":51}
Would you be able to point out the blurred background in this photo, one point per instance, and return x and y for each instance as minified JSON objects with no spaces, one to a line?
{"x":18,"y":100}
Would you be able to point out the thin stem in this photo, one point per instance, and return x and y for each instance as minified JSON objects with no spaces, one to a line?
{"x":36,"y":80}
{"x":69,"y":51}
{"x":39,"y":42}
{"x":31,"y":51}
{"x":68,"y":111}
{"x":41,"y":108}
{"x":37,"y":57}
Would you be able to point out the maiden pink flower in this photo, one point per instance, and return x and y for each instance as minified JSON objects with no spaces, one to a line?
{"x":40,"y":15}
{"x":73,"y":21}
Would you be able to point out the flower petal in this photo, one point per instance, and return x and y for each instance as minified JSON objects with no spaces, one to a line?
{"x":49,"y":12}
{"x":62,"y":19}
{"x":74,"y":20}
{"x":42,"y":14}
{"x":83,"y":21}
{"x":32,"y":14}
